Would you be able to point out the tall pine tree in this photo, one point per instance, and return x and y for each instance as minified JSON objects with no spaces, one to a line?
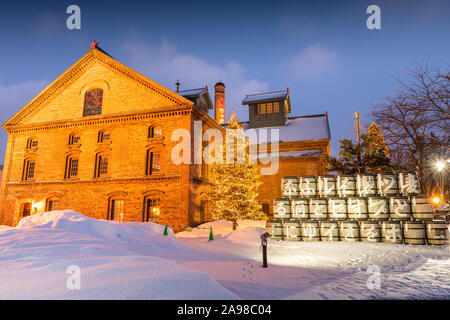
{"x":234,"y":193}
{"x":375,"y":140}
{"x":372,"y":150}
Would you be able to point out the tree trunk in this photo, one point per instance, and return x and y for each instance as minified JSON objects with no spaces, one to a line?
{"x":234,"y":224}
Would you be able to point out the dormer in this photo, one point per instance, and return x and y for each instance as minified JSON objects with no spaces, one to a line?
{"x":268,"y":109}
{"x":199,"y":96}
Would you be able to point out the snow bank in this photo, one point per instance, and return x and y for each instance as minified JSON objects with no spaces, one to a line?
{"x":324,"y":270}
{"x":74,"y":222}
{"x":135,"y":261}
{"x":220,"y":227}
{"x":116,"y":261}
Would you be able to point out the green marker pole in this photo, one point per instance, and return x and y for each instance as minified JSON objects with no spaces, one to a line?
{"x":211,"y":237}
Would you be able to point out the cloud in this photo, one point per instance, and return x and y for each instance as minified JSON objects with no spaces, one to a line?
{"x":12,"y":98}
{"x":313,"y":62}
{"x":164,"y":64}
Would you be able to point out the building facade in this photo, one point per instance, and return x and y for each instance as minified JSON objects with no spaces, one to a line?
{"x":302,"y":140}
{"x":100,"y":140}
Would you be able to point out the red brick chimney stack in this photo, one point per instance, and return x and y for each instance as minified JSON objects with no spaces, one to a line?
{"x":219,"y":104}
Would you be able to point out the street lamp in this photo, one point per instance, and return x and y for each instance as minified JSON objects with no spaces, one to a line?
{"x":440,"y":167}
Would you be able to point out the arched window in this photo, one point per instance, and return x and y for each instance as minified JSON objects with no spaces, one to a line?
{"x":152,"y":208}
{"x":72,"y":163}
{"x":101,"y":165}
{"x":93,"y":101}
{"x":104,"y":136}
{"x":115,"y":209}
{"x":74,"y":139}
{"x":29,"y":167}
{"x":154,"y":132}
{"x":32,"y":143}
{"x":52,"y":204}
{"x":153,"y":165}
{"x":25,"y":209}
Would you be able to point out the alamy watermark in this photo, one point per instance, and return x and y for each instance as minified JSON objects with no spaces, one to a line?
{"x":208,"y":147}
{"x":374,"y":280}
{"x":374,"y":20}
{"x":74,"y":280}
{"x":73,"y":22}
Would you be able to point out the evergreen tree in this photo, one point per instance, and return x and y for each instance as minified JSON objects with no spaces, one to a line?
{"x":234,"y":193}
{"x":373,"y":152}
{"x":375,"y":140}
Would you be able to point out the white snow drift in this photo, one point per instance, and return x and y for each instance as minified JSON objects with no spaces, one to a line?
{"x":135,"y":261}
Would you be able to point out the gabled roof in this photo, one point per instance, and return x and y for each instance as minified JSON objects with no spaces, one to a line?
{"x":291,"y":154}
{"x":195,"y":94}
{"x":282,"y":95}
{"x":94,"y":55}
{"x":266,"y":97}
{"x":192,"y":92}
{"x":303,"y":128}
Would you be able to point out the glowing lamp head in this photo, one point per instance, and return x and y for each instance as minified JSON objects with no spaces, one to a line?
{"x":436,"y":200}
{"x":440,"y":165}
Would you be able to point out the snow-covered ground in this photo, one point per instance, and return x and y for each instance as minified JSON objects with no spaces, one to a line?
{"x":135,"y":261}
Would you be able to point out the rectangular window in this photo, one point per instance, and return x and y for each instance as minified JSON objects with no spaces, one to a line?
{"x":276,"y":107}
{"x":268,"y":108}
{"x":52,"y":205}
{"x":262,"y":108}
{"x":75,"y":139}
{"x":102,"y":165}
{"x":105,"y":137}
{"x":155,"y":132}
{"x":153,"y":209}
{"x":116,"y":208}
{"x":154,"y":165}
{"x":73,"y":167}
{"x":29,"y":169}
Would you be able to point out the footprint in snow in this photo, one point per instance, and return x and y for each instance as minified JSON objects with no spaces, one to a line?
{"x":324,"y":297}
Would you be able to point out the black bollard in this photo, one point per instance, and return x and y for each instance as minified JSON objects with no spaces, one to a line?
{"x":264,"y":237}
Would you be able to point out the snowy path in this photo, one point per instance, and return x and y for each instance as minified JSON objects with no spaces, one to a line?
{"x":135,"y":261}
{"x":299,"y":270}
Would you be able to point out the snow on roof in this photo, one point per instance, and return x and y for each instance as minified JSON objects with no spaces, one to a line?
{"x":268,"y":96}
{"x":300,"y":129}
{"x":191,"y":92}
{"x":293,"y":154}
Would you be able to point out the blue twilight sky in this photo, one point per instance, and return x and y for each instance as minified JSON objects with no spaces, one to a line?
{"x":321,"y":50}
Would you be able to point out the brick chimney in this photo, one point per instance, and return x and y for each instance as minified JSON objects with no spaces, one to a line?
{"x":219,"y":104}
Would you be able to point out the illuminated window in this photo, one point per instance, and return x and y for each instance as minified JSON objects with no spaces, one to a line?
{"x":93,"y":102}
{"x":276,"y":107}
{"x":262,"y":108}
{"x":152,"y":209}
{"x":116,"y":209}
{"x":28,"y":170}
{"x":154,"y":132}
{"x":268,"y":108}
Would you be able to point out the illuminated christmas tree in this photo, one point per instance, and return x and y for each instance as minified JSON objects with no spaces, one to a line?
{"x":236,"y":182}
{"x":375,"y":141}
